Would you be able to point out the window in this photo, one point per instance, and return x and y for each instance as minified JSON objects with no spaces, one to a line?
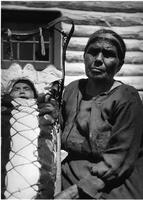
{"x":41,"y":48}
{"x":29,"y":50}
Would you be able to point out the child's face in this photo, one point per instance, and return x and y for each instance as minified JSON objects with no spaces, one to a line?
{"x":22,"y":90}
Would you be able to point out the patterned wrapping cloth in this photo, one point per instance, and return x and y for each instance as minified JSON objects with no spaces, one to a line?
{"x":29,"y":148}
{"x":29,"y":134}
{"x":23,"y":166}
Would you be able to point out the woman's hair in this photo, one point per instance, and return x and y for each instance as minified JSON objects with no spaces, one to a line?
{"x":115,"y":39}
{"x":28,"y":82}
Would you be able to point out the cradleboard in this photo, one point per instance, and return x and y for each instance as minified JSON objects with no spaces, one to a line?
{"x":30,"y":130}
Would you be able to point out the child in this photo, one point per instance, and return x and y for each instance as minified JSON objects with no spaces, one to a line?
{"x":28,"y":142}
{"x":23,"y":88}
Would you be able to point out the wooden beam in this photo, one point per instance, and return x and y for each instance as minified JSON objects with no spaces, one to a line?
{"x":78,"y":44}
{"x":135,"y":81}
{"x":86,"y":17}
{"x":132,"y":57}
{"x":141,"y":95}
{"x":128,"y":32}
{"x":104,"y":6}
{"x":75,"y":69}
{"x":104,"y":19}
{"x":69,"y":79}
{"x":131,"y":70}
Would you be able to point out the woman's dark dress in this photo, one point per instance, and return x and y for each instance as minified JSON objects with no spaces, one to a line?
{"x":106,"y":132}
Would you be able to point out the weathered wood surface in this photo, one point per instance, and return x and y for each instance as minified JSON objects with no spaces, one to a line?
{"x":109,"y":6}
{"x":95,"y":18}
{"x":141,"y":95}
{"x":132,"y":57}
{"x":75,"y":69}
{"x":104,"y":19}
{"x":136,"y":81}
{"x":129,"y":32}
{"x":78,"y":44}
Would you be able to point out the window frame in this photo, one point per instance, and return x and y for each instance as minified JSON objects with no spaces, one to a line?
{"x":55,"y":43}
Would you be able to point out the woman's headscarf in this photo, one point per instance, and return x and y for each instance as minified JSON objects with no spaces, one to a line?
{"x":111,"y":36}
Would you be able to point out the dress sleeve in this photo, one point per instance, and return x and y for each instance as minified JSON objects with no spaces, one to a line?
{"x":124,"y":145}
{"x":122,"y":149}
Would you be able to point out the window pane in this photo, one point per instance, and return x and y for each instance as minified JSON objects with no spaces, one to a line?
{"x":4,"y":36}
{"x":7,"y":50}
{"x":38,"y":54}
{"x":26,"y":51}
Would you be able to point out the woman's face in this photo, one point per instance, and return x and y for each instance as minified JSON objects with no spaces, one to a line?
{"x":101,"y":60}
{"x":22,"y":90}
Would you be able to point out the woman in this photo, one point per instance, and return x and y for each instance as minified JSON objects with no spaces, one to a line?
{"x":103,"y":128}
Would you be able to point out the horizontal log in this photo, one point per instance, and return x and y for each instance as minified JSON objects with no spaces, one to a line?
{"x":131,"y":70}
{"x":134,"y":81}
{"x":75,"y":69}
{"x":134,"y":57}
{"x":69,"y":79}
{"x":109,"y":6}
{"x":129,"y":32}
{"x":91,"y":18}
{"x":78,"y":44}
{"x":104,"y":19}
{"x":141,"y":95}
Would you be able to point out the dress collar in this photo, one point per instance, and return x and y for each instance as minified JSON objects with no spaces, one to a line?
{"x":115,"y":84}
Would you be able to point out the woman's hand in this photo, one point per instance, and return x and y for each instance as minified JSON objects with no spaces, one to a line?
{"x":99,"y":169}
{"x":69,"y":193}
{"x":48,"y":110}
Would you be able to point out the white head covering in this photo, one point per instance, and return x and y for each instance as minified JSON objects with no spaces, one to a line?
{"x":40,"y":79}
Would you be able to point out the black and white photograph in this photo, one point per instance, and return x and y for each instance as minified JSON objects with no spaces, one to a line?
{"x":71,"y":100}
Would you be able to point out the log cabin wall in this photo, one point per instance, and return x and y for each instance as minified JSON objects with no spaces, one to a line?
{"x":124,"y":17}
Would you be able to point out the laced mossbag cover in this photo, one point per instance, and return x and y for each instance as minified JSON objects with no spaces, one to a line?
{"x":29,"y":135}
